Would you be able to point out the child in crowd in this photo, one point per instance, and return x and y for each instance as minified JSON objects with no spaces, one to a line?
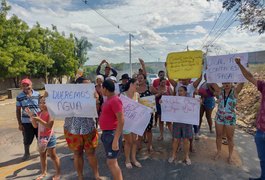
{"x":181,"y":130}
{"x":46,"y":139}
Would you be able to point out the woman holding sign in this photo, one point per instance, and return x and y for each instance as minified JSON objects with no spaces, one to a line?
{"x":130,"y":138}
{"x":225,"y":119}
{"x":82,"y":137}
{"x":144,"y":90}
{"x":162,"y":89}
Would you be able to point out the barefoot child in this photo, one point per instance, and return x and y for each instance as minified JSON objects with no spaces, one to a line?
{"x":46,"y":139}
{"x":181,"y":130}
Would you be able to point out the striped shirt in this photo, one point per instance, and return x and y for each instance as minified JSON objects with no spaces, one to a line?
{"x":31,"y":102}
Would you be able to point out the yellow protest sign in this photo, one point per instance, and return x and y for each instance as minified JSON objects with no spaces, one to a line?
{"x":184,"y":65}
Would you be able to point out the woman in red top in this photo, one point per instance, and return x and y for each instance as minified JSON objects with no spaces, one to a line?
{"x":46,"y":139}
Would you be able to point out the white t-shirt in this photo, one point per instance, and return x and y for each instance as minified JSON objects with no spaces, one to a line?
{"x":190,"y":89}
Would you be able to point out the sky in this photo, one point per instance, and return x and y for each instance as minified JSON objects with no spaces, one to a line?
{"x":157,"y":27}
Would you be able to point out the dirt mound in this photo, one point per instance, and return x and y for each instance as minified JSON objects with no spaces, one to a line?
{"x":248,"y":105}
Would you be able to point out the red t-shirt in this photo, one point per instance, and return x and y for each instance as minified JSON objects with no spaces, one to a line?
{"x":261,"y":115}
{"x":157,"y":81}
{"x":42,"y":129}
{"x":108,"y":119}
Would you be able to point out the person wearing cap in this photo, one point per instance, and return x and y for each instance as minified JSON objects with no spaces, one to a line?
{"x":124,"y":79}
{"x":108,"y":68}
{"x":28,"y":98}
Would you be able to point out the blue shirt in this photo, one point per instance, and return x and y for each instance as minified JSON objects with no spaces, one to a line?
{"x":31,"y":102}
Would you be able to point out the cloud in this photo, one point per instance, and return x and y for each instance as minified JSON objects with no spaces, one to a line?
{"x":155,"y":20}
{"x":81,"y":28}
{"x":197,"y":30}
{"x":106,"y":40}
{"x":106,"y":49}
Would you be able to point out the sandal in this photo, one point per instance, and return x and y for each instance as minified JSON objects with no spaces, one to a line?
{"x":137,"y":164}
{"x":187,"y":161}
{"x":128,"y":165}
{"x":42,"y":176}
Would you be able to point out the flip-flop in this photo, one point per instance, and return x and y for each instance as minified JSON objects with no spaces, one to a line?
{"x":137,"y":164}
{"x":128,"y":165}
{"x":224,"y":141}
{"x":41,"y":177}
{"x":187,"y":162}
{"x":56,"y":177}
{"x":171,"y":159}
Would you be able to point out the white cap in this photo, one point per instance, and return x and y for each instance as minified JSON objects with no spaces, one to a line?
{"x":113,"y":78}
{"x":100,"y":77}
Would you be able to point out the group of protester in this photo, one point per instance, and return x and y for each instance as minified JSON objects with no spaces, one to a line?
{"x":82,"y":136}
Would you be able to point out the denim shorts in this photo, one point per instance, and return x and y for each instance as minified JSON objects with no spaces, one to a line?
{"x":52,"y":142}
{"x":107,"y":139}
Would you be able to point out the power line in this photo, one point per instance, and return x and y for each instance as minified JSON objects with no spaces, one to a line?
{"x":115,"y":25}
{"x":229,"y":21}
{"x":212,"y":27}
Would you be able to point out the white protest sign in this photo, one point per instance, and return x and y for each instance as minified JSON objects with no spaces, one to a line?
{"x":71,"y":100}
{"x":223,"y":68}
{"x":136,"y":116}
{"x":180,"y":109}
{"x":148,"y":101}
{"x":117,"y":88}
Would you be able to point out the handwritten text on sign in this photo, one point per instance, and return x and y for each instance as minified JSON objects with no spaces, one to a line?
{"x":136,"y":116}
{"x":71,"y":100}
{"x":182,"y":65}
{"x":223,"y":68}
{"x":180,"y":109}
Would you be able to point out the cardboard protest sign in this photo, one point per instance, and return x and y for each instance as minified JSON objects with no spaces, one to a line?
{"x":148,"y":101}
{"x":223,"y":68}
{"x":184,"y":65}
{"x":180,"y":109}
{"x":136,"y":116}
{"x":117,"y":88}
{"x":71,"y":100}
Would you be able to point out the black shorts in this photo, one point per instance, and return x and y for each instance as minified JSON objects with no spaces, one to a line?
{"x":107,"y":139}
{"x":150,"y":124}
{"x":158,"y":109}
{"x":29,"y":133}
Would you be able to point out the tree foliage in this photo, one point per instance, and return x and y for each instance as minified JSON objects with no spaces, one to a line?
{"x":251,"y":13}
{"x":37,"y":51}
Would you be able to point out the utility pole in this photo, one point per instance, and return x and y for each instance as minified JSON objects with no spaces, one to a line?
{"x":130,"y":53}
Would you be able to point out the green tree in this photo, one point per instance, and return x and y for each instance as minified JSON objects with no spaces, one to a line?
{"x":250,"y":13}
{"x":14,"y":56}
{"x":81,"y":48}
{"x":62,"y":53}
